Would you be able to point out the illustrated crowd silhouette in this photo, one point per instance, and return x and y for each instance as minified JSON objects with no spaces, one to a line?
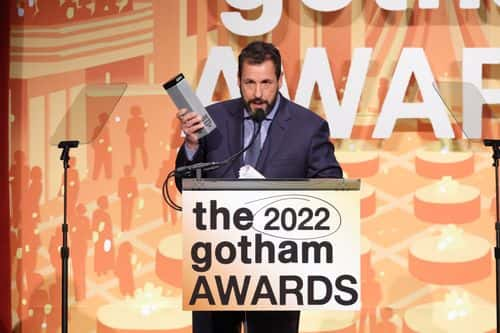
{"x":53,"y":12}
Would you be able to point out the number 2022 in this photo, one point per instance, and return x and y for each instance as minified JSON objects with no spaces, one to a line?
{"x":289,"y":219}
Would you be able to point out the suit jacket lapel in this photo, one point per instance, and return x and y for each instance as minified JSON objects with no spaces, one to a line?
{"x":234,"y":125}
{"x":275,"y":135}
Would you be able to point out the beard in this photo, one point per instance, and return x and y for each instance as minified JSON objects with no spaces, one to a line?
{"x":259,"y":103}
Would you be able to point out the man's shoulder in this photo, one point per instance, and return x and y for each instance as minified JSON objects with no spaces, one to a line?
{"x":300,"y":112}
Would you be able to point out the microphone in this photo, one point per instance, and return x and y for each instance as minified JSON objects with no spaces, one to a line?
{"x":491,"y":142}
{"x":257,"y":116}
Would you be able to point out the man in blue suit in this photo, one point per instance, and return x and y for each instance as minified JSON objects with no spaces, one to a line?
{"x":293,"y":143}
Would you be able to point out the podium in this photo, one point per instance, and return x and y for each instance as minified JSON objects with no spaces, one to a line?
{"x":271,"y":244}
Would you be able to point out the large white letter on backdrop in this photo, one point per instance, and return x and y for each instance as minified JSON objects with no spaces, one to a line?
{"x":424,"y":4}
{"x":473,"y":95}
{"x":220,"y":59}
{"x":413,"y":61}
{"x":316,"y":69}
{"x":397,"y":5}
{"x":392,"y":4}
{"x":469,"y":4}
{"x":268,"y":20}
{"x":326,"y":6}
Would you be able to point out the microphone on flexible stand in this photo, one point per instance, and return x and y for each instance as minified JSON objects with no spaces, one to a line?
{"x":257,"y":116}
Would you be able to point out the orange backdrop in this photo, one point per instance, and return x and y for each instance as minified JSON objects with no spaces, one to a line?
{"x":427,"y":218}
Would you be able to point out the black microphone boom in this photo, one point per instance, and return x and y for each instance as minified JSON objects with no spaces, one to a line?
{"x":258,"y":116}
{"x":203,"y":166}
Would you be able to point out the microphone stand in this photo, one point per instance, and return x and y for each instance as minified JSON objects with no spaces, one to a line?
{"x":65,"y":146}
{"x":207,"y":166}
{"x":258,"y":116}
{"x":495,"y":145}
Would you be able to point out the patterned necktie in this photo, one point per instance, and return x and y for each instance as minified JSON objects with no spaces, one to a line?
{"x":252,"y":154}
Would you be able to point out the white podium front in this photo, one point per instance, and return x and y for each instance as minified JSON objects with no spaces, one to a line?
{"x":271,"y":244}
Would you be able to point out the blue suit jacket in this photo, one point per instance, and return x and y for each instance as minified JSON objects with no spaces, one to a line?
{"x":297,"y":144}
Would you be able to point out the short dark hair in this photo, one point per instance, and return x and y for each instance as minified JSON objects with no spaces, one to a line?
{"x":256,"y":53}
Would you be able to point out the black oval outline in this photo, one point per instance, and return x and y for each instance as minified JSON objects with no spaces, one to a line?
{"x":302,"y":195}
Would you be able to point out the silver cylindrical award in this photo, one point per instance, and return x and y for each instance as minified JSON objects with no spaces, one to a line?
{"x":184,"y":97}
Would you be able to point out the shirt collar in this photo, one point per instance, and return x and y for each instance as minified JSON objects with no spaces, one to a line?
{"x":270,"y":115}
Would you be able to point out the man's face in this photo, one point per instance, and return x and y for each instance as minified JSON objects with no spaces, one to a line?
{"x":259,"y":85}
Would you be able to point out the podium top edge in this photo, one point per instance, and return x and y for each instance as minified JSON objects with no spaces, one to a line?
{"x":334,"y":184}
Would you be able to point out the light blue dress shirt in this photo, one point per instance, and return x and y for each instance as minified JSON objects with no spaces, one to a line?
{"x":248,"y":125}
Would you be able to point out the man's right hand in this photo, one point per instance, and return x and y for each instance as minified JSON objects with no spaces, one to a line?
{"x":190,"y":124}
